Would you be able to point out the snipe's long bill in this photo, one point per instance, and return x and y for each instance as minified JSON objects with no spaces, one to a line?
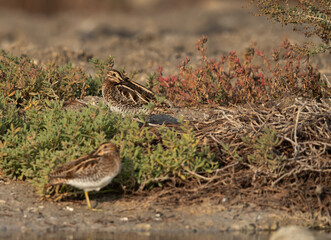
{"x":128,"y":97}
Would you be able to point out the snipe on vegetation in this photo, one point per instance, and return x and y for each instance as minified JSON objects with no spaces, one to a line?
{"x":128,"y":97}
{"x":90,"y":172}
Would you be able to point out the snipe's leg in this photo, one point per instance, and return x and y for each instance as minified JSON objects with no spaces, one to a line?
{"x":89,"y":207}
{"x":87,"y":200}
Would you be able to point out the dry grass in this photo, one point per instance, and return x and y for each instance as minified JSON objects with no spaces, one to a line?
{"x":276,"y":155}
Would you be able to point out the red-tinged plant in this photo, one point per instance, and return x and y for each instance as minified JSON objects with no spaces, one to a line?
{"x":255,"y":78}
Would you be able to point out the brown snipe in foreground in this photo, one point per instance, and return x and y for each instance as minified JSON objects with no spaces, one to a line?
{"x":128,"y":97}
{"x":90,"y":172}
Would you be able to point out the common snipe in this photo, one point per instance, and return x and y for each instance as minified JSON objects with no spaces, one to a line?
{"x":128,"y":97}
{"x":90,"y":172}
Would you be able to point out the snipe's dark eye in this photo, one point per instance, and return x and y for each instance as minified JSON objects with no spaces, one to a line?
{"x":114,"y":75}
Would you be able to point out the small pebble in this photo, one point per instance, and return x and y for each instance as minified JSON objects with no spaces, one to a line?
{"x":124,"y":219}
{"x":69,"y":208}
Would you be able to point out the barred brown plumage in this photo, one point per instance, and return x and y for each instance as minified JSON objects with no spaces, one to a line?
{"x":128,"y":97}
{"x":90,"y":172}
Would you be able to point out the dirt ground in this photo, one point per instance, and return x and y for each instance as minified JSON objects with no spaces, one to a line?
{"x":141,"y":39}
{"x":22,"y":210}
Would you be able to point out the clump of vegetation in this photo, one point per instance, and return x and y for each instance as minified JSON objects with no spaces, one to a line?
{"x":264,"y":152}
{"x":310,"y":17}
{"x":153,"y":155}
{"x":34,"y":144}
{"x":51,"y":136}
{"x":256,"y":78}
{"x":9,"y":115}
{"x":101,"y":67}
{"x":26,"y":84}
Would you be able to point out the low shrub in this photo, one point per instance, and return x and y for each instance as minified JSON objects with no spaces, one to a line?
{"x":26,"y":84}
{"x":53,"y":135}
{"x":256,"y":78}
{"x":157,"y":155}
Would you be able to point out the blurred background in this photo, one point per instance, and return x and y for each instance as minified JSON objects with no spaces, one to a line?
{"x":141,"y":34}
{"x":90,"y":6}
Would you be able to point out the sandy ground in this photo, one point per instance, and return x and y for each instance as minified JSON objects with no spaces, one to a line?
{"x":140,"y":41}
{"x":22,"y":211}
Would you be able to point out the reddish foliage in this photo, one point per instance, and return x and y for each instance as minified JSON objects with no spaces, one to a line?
{"x":255,"y":78}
